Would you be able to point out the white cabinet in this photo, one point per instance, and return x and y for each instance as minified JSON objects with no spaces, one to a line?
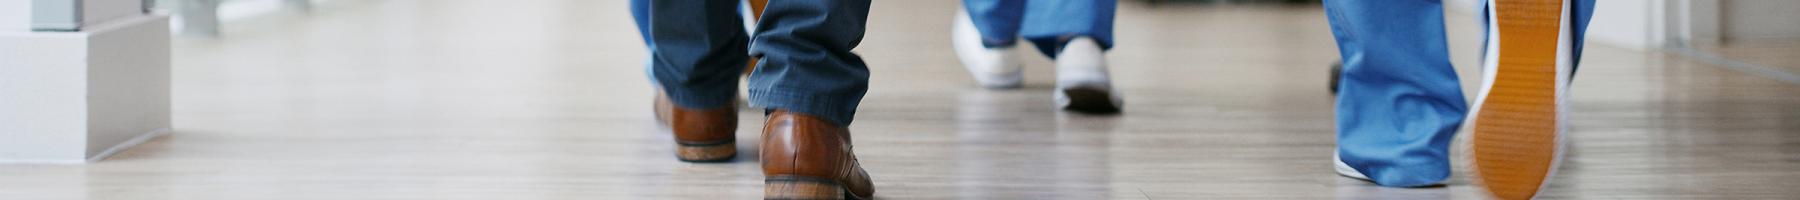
{"x":75,"y":97}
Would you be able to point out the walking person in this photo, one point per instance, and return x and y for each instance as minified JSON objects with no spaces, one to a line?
{"x":806,"y":78}
{"x":1399,"y":102}
{"x":1076,"y":33}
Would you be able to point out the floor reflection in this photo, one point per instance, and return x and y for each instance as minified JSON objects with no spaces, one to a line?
{"x":1348,"y":188}
{"x":1004,"y":142}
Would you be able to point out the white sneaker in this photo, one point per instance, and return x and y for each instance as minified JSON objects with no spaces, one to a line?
{"x":1517,"y":118}
{"x":1345,"y":170}
{"x":994,"y":68}
{"x":1082,"y":83}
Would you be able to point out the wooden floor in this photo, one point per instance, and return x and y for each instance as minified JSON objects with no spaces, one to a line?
{"x":547,"y":99}
{"x":1774,"y":53}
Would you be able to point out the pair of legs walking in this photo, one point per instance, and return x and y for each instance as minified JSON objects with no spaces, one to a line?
{"x":1400,"y":104}
{"x":807,"y":79}
{"x":1074,"y":33}
{"x":1399,"y":107}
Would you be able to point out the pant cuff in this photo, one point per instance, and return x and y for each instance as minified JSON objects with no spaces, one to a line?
{"x":839,"y":109}
{"x":701,"y":98}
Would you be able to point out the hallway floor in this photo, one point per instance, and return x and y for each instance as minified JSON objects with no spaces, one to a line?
{"x":475,"y":99}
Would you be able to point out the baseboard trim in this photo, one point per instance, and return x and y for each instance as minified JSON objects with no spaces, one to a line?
{"x":1735,"y":65}
{"x":115,"y":149}
{"x":133,"y":142}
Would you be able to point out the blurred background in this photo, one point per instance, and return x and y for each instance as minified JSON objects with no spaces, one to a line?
{"x":548,"y":99}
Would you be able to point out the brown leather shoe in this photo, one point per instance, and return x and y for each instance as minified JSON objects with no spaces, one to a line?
{"x":805,"y":157}
{"x":707,"y":135}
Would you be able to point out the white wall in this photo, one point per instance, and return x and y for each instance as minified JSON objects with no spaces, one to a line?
{"x":102,"y":11}
{"x":1697,"y":21}
{"x":1761,"y":19}
{"x":1630,"y":24}
{"x":15,"y":15}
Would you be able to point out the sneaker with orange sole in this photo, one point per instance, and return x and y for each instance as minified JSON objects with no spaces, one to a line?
{"x":1517,"y":123}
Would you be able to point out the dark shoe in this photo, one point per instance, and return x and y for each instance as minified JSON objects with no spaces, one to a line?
{"x":701,"y":135}
{"x":804,"y":157}
{"x":1337,"y":74}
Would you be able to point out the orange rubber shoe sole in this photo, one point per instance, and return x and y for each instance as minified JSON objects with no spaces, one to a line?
{"x":1515,"y":141}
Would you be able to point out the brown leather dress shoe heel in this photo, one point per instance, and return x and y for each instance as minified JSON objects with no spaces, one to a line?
{"x":805,"y":157}
{"x":701,"y":135}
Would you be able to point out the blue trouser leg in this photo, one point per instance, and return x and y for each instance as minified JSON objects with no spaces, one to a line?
{"x":1050,"y":24}
{"x":1046,"y":24}
{"x":997,"y":20}
{"x":1584,"y":11}
{"x":698,"y":50}
{"x":806,"y":64}
{"x":1400,"y":101}
{"x":640,"y":13}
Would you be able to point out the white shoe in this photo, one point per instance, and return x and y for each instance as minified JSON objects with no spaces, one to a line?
{"x":1082,"y":83}
{"x":994,"y":68}
{"x":1345,"y":170}
{"x":1518,"y":116}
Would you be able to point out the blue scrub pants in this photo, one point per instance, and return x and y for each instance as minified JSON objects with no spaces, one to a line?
{"x":1047,"y":24}
{"x":1399,"y":102}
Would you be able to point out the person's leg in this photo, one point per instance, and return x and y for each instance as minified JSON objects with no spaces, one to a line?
{"x":983,"y":37}
{"x":998,"y":20}
{"x":1583,"y":10}
{"x":1050,"y":25}
{"x":640,"y":13}
{"x":1519,"y":134}
{"x":1400,"y":102}
{"x":806,"y":65}
{"x":698,"y":50}
{"x":811,"y":84}
{"x":1076,"y":34}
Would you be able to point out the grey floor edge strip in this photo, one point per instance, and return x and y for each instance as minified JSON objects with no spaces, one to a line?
{"x":1752,"y":69}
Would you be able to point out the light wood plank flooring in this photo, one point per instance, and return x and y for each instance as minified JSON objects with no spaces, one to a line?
{"x":547,"y":99}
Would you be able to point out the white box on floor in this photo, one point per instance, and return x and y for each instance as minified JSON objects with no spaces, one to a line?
{"x":76,"y":97}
